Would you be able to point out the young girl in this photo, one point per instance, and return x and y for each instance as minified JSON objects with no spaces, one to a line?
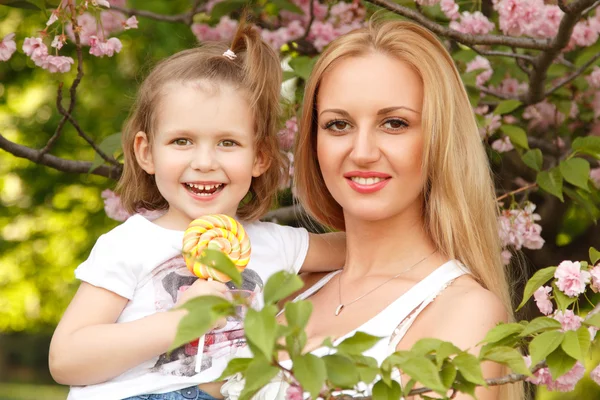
{"x":201,"y":139}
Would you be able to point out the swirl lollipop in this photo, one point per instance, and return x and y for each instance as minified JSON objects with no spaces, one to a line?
{"x":218,"y":232}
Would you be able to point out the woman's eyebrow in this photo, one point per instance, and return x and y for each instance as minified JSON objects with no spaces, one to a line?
{"x":336,"y":110}
{"x":390,"y":109}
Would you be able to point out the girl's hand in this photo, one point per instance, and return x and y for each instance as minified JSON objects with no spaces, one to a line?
{"x":200,"y":288}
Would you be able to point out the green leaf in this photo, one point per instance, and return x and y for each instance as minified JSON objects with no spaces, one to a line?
{"x":552,"y":182}
{"x":507,"y":356}
{"x":221,"y":262}
{"x":297,"y":313}
{"x":311,"y":373}
{"x":28,"y":5}
{"x":585,"y":340}
{"x":280,"y":285}
{"x":537,"y":280}
{"x":234,"y":366}
{"x":544,"y":344}
{"x":424,"y":371}
{"x":288,"y":6}
{"x":533,"y":159}
{"x":226,"y":7}
{"x":448,"y":374}
{"x":470,"y":78}
{"x":562,"y":300}
{"x":381,"y":391}
{"x":559,"y":363}
{"x":260,"y":328}
{"x":303,"y":65}
{"x":540,"y":324}
{"x":570,"y":345}
{"x":258,"y":374}
{"x":470,"y":368}
{"x":589,"y":145}
{"x":464,"y":386}
{"x":576,"y":171}
{"x":445,"y":350}
{"x":506,"y":106}
{"x":586,"y":55}
{"x":204,"y":312}
{"x":502,"y":331}
{"x":517,"y":135}
{"x":425,"y":346}
{"x":109,"y":146}
{"x":594,"y":255}
{"x":358,"y":343}
{"x":341,"y":371}
{"x":594,"y":320}
{"x":583,"y":200}
{"x":367,"y":367}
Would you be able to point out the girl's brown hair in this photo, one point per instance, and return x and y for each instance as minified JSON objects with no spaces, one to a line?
{"x":255,"y":71}
{"x":460,"y":211}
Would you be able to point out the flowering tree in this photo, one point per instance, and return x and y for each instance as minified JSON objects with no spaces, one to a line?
{"x":531,"y":68}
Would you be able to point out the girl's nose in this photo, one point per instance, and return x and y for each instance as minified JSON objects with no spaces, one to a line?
{"x":204,"y":160}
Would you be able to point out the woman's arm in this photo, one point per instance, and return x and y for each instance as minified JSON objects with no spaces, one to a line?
{"x":326,"y":252}
{"x":88,"y":347}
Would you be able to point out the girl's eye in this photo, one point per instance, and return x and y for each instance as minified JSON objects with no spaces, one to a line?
{"x":395,"y":124}
{"x":227,"y":143}
{"x":181,"y":142}
{"x":337,"y":125}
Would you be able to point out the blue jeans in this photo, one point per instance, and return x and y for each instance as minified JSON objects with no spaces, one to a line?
{"x":191,"y":393}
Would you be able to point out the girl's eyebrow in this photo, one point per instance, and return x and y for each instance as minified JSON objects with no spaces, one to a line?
{"x":380,"y":112}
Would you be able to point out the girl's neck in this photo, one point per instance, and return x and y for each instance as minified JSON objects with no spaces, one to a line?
{"x":385,"y":247}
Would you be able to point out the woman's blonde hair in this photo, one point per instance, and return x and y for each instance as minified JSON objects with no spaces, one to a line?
{"x":255,"y":71}
{"x":460,"y":210}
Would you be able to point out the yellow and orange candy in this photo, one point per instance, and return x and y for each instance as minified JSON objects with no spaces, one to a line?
{"x":218,"y":232}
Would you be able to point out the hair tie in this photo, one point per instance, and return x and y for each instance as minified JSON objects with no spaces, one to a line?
{"x":229,"y":54}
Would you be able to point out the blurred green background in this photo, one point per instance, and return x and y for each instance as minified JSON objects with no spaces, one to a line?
{"x":49,"y":220}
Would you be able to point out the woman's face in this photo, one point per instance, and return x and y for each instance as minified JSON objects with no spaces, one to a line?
{"x":370,"y":140}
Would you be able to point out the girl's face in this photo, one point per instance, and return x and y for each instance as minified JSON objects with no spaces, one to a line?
{"x":203,"y":154}
{"x":369,"y":140}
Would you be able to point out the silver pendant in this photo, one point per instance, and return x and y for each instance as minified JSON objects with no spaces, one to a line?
{"x":339,"y":309}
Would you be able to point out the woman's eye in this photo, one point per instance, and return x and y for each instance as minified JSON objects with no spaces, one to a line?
{"x":395,"y":124}
{"x":227,"y":143}
{"x":337,"y":126}
{"x":181,"y":142}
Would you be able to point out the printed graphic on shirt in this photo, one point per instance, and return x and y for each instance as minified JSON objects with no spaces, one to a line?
{"x":170,"y":280}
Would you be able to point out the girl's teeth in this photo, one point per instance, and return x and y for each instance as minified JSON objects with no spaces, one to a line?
{"x":366,"y":181}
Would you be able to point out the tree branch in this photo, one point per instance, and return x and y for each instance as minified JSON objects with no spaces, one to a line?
{"x":181,"y":18}
{"x":513,"y":54}
{"x":574,"y":75}
{"x":494,"y":93}
{"x":80,"y":167}
{"x":466,"y":39}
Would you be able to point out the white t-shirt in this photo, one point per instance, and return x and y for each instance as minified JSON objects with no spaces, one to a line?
{"x":142,"y":262}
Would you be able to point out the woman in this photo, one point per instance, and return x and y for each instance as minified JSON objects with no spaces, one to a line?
{"x":389,"y":151}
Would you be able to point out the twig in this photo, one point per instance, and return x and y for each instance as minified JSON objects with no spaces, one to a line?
{"x":519,"y":190}
{"x":193,"y":11}
{"x":494,"y":93}
{"x":466,"y":39}
{"x":311,"y":11}
{"x":59,"y":128}
{"x":81,"y":167}
{"x":181,"y":18}
{"x":574,"y":75}
{"x":513,"y":54}
{"x":590,"y":8}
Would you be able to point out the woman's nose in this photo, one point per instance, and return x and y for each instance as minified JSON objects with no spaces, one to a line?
{"x":365,"y":149}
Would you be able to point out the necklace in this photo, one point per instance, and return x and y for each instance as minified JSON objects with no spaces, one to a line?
{"x":341,"y":305}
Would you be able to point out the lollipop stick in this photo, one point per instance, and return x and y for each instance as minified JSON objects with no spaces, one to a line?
{"x":199,"y":355}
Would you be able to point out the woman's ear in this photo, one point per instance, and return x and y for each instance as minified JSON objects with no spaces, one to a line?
{"x":261,"y":163}
{"x":143,"y":153}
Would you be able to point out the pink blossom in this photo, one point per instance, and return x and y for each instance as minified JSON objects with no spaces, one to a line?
{"x":541,"y":377}
{"x":321,"y":34}
{"x":7,"y":47}
{"x":512,"y":87}
{"x":113,"y":207}
{"x":594,"y":78}
{"x":571,"y":280}
{"x":509,"y":119}
{"x":583,"y":35}
{"x":568,"y":320}
{"x":481,"y":110}
{"x":287,"y":135}
{"x":224,"y":30}
{"x":568,"y":381}
{"x":346,"y":13}
{"x":131,"y":23}
{"x":506,"y":256}
{"x":103,"y":3}
{"x":595,"y":176}
{"x":595,"y":274}
{"x":517,"y":228}
{"x":450,"y":9}
{"x":111,"y":22}
{"x":542,"y":300}
{"x":474,"y":24}
{"x":503,"y":145}
{"x":36,"y":50}
{"x":53,"y":18}
{"x":595,"y":374}
{"x":546,"y":26}
{"x":58,"y":41}
{"x":480,"y":63}
{"x":592,"y":330}
{"x":320,"y":11}
{"x":294,"y":392}
{"x":517,"y":16}
{"x":101,"y":48}
{"x":543,"y":115}
{"x":58,"y":63}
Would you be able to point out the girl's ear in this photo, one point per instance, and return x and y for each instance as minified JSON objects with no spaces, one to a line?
{"x":141,"y":148}
{"x":261,"y":164}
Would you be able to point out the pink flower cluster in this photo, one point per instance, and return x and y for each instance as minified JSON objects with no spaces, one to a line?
{"x":571,"y":279}
{"x":38,"y":52}
{"x":224,"y":30}
{"x":595,"y":274}
{"x":564,"y":383}
{"x":450,"y":9}
{"x":542,"y":300}
{"x":472,"y":23}
{"x":511,"y":87}
{"x":528,"y":17}
{"x":7,"y":47}
{"x":114,"y":209}
{"x":101,"y":48}
{"x":481,"y":63}
{"x":503,"y":145}
{"x":287,"y":135}
{"x":491,"y":124}
{"x":518,"y":229}
{"x":294,"y":392}
{"x":543,"y":115}
{"x":569,"y":321}
{"x":595,"y":374}
{"x":594,"y":78}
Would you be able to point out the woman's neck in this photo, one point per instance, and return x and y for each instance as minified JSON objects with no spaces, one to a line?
{"x":385,"y":247}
